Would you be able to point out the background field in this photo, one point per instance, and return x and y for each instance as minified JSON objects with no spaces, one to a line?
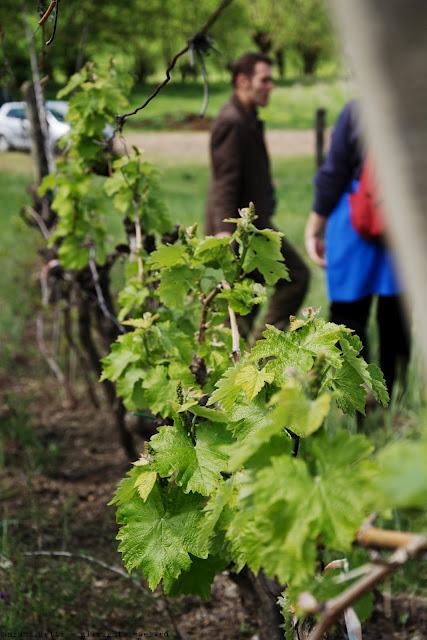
{"x":292,"y":105}
{"x":184,"y":189}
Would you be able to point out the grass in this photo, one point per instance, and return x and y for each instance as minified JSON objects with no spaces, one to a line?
{"x":185,"y":190}
{"x":17,"y":255}
{"x":56,"y":598}
{"x":18,"y":435}
{"x":292,"y":104}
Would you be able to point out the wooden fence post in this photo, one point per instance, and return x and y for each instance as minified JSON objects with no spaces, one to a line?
{"x":320,"y":125}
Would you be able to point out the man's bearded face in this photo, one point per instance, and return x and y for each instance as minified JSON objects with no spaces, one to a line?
{"x":260,"y":85}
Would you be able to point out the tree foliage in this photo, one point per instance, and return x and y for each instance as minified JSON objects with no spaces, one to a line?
{"x":293,"y":26}
{"x":146,"y":32}
{"x":149,"y":32}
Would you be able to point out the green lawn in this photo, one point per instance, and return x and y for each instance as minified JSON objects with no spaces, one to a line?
{"x":292,"y":104}
{"x":18,"y":253}
{"x":185,"y":191}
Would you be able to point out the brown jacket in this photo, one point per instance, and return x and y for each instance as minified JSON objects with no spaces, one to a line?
{"x":240,"y":169}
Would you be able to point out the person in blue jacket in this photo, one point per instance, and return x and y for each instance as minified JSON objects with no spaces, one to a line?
{"x":356,"y":269}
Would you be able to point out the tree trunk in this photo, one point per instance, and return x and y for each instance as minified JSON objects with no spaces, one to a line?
{"x":81,"y":51}
{"x":116,"y":404}
{"x":263,"y":41}
{"x":41,"y":161}
{"x":320,"y":126}
{"x":279,"y":54}
{"x":310,"y":59}
{"x":33,"y":94}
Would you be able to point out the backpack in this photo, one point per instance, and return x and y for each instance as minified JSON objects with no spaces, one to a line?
{"x":366,"y":206}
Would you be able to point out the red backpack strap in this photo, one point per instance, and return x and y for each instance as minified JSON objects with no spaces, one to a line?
{"x":366,"y":207}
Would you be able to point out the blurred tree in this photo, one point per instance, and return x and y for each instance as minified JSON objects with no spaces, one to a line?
{"x":308,"y":31}
{"x":267,"y":23}
{"x":280,"y":26}
{"x":14,"y":58}
{"x":174,"y":22}
{"x":147,"y":32}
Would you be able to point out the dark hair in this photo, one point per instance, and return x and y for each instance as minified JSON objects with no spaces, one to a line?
{"x":246,"y":64}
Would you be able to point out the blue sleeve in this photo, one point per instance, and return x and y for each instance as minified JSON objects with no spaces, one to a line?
{"x":334,"y":177}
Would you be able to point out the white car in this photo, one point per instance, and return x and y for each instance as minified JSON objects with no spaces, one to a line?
{"x":59,"y":108}
{"x":15,"y":126}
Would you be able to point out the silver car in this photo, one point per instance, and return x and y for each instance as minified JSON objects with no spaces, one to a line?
{"x":15,"y":126}
{"x":59,"y":108}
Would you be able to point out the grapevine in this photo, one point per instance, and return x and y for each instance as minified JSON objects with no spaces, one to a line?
{"x":221,"y":483}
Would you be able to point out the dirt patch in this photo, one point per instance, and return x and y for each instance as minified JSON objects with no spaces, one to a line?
{"x":187,"y":122}
{"x":60,"y":504}
{"x":186,"y":144}
{"x":172,"y":147}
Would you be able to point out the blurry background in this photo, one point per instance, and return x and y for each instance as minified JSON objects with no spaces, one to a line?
{"x":296,"y":34}
{"x":59,"y":461}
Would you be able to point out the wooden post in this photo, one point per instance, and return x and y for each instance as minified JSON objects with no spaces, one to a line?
{"x":320,"y":125}
{"x":38,"y":144}
{"x":43,"y":161}
{"x":385,"y":41}
{"x":33,"y":94}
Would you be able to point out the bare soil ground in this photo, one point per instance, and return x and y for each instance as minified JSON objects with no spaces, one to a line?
{"x":62,"y":506}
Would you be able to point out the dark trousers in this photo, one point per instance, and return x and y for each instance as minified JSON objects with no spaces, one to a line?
{"x":393,"y":331}
{"x":287,"y":296}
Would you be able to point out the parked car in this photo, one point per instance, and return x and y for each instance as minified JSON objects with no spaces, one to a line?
{"x":15,"y":126}
{"x":59,"y":108}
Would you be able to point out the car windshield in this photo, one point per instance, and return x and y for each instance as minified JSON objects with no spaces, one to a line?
{"x":57,"y":114}
{"x":17,"y":113}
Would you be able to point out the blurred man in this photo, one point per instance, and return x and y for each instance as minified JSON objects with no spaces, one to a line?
{"x":241,"y":174}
